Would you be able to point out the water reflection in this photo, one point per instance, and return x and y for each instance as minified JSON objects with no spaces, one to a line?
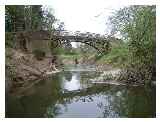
{"x":72,"y":83}
{"x":114,"y":102}
{"x":68,"y":94}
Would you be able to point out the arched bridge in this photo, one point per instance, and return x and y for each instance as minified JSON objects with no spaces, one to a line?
{"x":101,"y":44}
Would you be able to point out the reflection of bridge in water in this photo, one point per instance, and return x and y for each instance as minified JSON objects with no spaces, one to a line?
{"x":94,"y":89}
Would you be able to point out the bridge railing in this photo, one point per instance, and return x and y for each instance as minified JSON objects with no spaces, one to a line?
{"x":78,"y":33}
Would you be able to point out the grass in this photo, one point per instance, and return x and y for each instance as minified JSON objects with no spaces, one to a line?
{"x":117,"y":56}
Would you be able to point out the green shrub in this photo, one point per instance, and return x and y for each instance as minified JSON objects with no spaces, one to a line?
{"x":39,"y":54}
{"x":136,"y":74}
{"x":117,"y":56}
{"x":137,"y":25}
{"x":98,"y":56}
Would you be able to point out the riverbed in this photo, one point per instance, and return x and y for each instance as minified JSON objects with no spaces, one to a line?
{"x":70,"y":94}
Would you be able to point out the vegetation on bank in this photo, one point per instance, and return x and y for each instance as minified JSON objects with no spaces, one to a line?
{"x":137,"y":55}
{"x":23,"y":66}
{"x":135,"y":52}
{"x":117,"y":57}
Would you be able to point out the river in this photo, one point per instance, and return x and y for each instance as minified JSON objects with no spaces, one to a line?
{"x":70,"y":94}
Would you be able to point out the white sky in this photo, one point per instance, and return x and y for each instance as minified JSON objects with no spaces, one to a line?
{"x":84,"y":15}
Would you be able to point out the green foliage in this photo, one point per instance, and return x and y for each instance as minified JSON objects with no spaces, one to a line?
{"x":27,"y":17}
{"x":13,"y":16}
{"x":136,"y":72}
{"x":70,"y":52}
{"x":61,"y":49}
{"x":39,"y":54}
{"x":98,"y":56}
{"x":117,"y":56}
{"x":143,"y":35}
{"x":142,"y":43}
{"x":48,"y":20}
{"x":37,"y":17}
{"x":139,"y":29}
{"x":55,"y":49}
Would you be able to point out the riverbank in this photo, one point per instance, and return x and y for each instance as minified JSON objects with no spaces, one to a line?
{"x":23,"y":69}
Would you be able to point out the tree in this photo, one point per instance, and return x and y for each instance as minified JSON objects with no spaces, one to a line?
{"x":37,"y":16}
{"x":48,"y":19}
{"x":137,"y":24}
{"x":20,"y":17}
{"x":14,"y":17}
{"x":60,"y":27}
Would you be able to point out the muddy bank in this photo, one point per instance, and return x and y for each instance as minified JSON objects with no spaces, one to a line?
{"x":23,"y":69}
{"x":113,"y":76}
{"x":108,"y":76}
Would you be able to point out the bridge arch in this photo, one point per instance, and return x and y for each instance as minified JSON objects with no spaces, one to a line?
{"x":102,"y":45}
{"x":89,"y":45}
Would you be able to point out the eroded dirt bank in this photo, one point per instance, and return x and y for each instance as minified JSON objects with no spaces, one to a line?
{"x":23,"y":69}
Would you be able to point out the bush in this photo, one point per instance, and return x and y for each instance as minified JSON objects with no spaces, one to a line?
{"x":117,"y":56}
{"x":137,"y":72}
{"x":39,"y":54}
{"x":98,"y":56}
{"x":137,"y":24}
